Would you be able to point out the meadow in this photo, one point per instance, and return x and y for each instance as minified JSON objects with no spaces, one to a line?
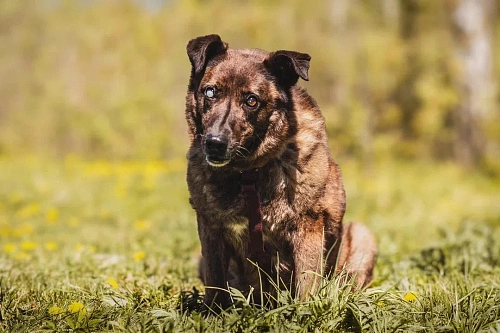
{"x":98,"y":246}
{"x":96,"y":233}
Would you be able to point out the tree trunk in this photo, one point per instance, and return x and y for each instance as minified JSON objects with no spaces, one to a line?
{"x":473,"y":50}
{"x":339,"y":13}
{"x":406,"y":94}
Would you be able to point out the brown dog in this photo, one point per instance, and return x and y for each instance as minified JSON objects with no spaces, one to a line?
{"x":265,"y":189}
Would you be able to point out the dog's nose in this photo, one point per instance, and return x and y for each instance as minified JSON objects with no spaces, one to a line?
{"x":216,"y":145}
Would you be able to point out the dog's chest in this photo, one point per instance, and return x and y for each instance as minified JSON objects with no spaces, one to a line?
{"x":218,"y":196}
{"x":275,"y":207}
{"x":223,"y":197}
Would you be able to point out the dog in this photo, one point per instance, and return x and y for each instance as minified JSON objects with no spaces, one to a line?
{"x":268,"y":196}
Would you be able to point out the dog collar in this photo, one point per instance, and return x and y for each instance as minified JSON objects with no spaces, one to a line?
{"x":252,"y":200}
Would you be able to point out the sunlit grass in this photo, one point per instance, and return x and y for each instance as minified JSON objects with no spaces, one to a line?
{"x":99,"y":245}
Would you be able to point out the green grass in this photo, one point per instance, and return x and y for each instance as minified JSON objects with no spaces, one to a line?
{"x":91,"y":246}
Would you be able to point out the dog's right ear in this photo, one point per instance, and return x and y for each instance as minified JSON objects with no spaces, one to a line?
{"x":201,"y":49}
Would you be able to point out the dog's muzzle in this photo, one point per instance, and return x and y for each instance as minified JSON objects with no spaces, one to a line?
{"x":216,"y":152}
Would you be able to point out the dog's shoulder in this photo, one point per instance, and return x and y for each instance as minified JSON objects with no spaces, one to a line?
{"x":310,"y":134}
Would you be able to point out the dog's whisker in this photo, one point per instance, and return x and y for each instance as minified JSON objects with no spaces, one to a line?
{"x":245,"y":149}
{"x":238,"y":153}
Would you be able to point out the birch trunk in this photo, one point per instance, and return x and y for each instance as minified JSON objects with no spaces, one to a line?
{"x":473,"y":50}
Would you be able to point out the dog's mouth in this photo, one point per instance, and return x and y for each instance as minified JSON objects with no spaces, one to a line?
{"x":216,"y":161}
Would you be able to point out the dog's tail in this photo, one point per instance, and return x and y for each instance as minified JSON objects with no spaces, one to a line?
{"x":358,"y":253}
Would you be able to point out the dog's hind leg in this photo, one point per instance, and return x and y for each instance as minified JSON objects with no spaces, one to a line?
{"x":357,"y":254}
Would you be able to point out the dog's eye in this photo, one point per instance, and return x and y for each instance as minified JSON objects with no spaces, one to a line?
{"x":252,"y":101}
{"x":210,"y":92}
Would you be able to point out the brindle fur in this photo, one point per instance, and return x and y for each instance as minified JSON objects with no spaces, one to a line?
{"x":300,"y":186}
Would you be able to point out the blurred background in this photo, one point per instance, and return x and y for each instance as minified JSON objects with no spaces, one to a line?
{"x":396,"y":79}
{"x":93,"y":135}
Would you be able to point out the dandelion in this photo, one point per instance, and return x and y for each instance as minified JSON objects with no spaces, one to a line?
{"x":22,"y":256}
{"x":5,"y":231}
{"x":410,"y":297}
{"x":55,"y":310}
{"x":141,"y":225}
{"x":15,"y":198}
{"x":52,"y":215}
{"x":9,"y":248}
{"x":50,"y":246}
{"x":73,"y":222}
{"x":29,"y":245}
{"x":76,"y":307}
{"x":121,"y":191}
{"x":104,"y":214}
{"x":380,"y":303}
{"x":24,"y":229}
{"x":112,"y":283}
{"x":71,"y":160}
{"x":79,"y":248}
{"x":29,"y":211}
{"x":149,"y":182}
{"x":139,"y":255}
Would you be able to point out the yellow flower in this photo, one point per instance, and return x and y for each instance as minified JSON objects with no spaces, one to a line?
{"x":15,"y":197}
{"x":77,"y":307}
{"x":139,"y":255}
{"x":55,"y":310}
{"x":410,"y":297}
{"x":380,"y":303}
{"x":22,"y":256}
{"x":104,"y":214}
{"x":73,"y":222}
{"x":149,"y":182}
{"x":79,"y":248}
{"x":28,"y":211}
{"x":141,"y":225}
{"x":3,"y":220}
{"x":52,"y":215}
{"x":24,"y":229}
{"x":112,"y":283}
{"x":9,"y":248}
{"x":29,"y":246}
{"x":121,"y":191}
{"x":5,"y":231}
{"x":71,"y":160}
{"x":50,"y":246}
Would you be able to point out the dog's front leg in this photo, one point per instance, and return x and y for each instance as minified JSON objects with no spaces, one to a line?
{"x":308,"y":259}
{"x":215,"y":260}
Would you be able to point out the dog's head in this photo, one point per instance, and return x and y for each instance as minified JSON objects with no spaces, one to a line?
{"x":239,"y":102}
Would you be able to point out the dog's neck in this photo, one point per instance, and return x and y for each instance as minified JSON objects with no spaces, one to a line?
{"x":248,"y":182}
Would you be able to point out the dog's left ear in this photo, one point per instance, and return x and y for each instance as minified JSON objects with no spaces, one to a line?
{"x":288,"y":66}
{"x":200,"y":50}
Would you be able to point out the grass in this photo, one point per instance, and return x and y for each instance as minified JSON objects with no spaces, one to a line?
{"x":90,"y":246}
